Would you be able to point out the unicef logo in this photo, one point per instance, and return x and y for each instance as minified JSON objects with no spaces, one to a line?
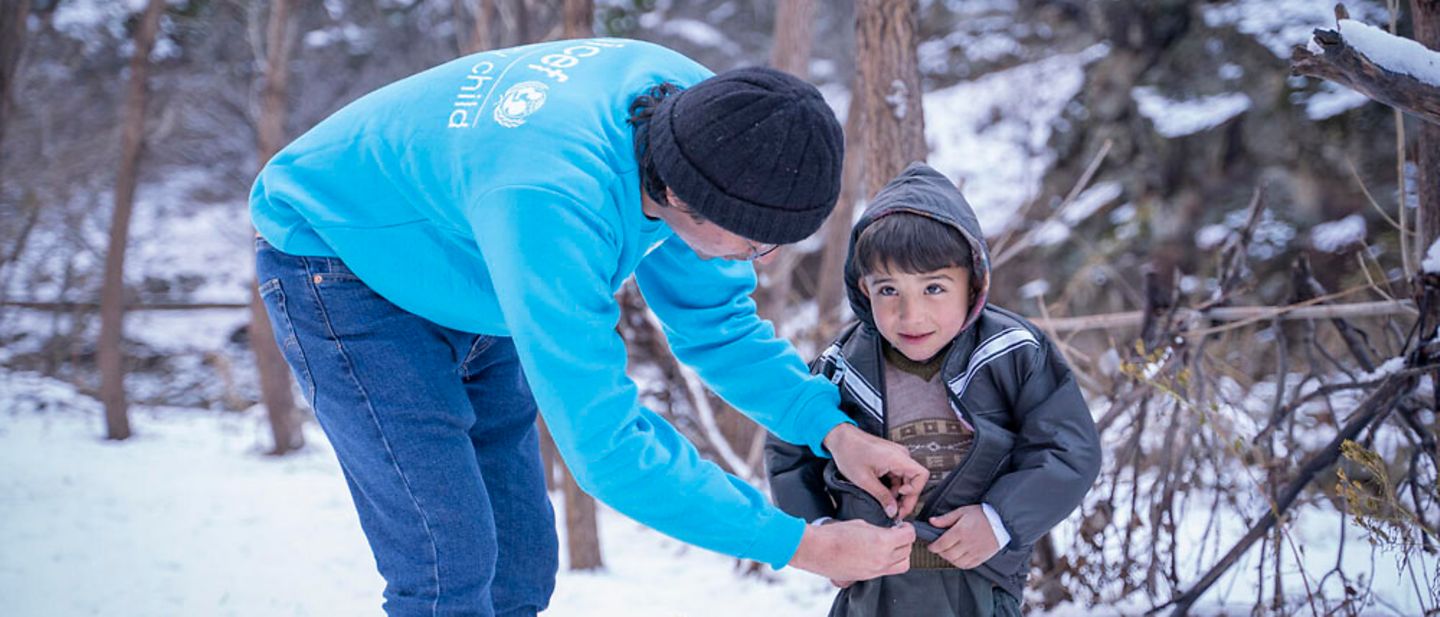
{"x":519,"y":102}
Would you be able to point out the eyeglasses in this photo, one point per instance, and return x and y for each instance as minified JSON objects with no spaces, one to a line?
{"x":758,"y":251}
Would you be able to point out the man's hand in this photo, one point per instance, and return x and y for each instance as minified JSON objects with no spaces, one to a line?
{"x":865,"y":459}
{"x":854,"y":550}
{"x":969,"y":541}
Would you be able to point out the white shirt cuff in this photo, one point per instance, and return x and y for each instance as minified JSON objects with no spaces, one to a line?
{"x":821,"y":521}
{"x":1002,"y":537}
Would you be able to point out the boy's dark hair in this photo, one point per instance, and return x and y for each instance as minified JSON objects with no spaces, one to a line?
{"x":911,"y":243}
{"x":641,"y":109}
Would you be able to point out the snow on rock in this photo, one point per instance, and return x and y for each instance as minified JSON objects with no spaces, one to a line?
{"x":1337,"y":236}
{"x":1393,"y":53}
{"x":1177,"y":118}
{"x":989,"y":134}
{"x":1432,"y":258}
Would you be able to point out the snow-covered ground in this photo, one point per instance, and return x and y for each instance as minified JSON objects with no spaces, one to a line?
{"x":190,"y":518}
{"x":989,"y":135}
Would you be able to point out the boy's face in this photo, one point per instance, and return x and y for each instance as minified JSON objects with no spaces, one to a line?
{"x":919,"y":313}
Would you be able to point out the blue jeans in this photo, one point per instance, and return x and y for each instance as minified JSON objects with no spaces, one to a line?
{"x":435,"y":432}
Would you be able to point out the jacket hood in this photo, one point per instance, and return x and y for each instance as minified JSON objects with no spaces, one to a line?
{"x":922,"y":190}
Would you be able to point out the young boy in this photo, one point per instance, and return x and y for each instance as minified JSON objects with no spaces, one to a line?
{"x":977,"y":394}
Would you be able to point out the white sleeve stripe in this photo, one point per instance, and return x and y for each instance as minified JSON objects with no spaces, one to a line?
{"x":994,"y":347}
{"x":861,"y":389}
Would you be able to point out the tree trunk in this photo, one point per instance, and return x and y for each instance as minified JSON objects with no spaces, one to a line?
{"x":12,"y":43}
{"x":830,"y":295}
{"x":522,"y":22}
{"x":794,"y":26}
{"x":794,"y":23}
{"x":275,"y":391}
{"x":112,"y":295}
{"x":582,"y":533}
{"x":893,"y":127}
{"x":1425,"y":15}
{"x":579,"y":23}
{"x":480,"y":38}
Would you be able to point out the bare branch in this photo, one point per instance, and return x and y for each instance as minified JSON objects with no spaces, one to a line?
{"x":1344,"y":65}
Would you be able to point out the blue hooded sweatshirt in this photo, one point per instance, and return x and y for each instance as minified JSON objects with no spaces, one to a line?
{"x":498,"y":194}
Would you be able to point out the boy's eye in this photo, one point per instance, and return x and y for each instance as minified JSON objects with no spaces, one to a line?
{"x":886,"y":290}
{"x":935,"y":288}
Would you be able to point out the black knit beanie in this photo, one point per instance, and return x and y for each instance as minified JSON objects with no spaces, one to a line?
{"x":756,"y":151}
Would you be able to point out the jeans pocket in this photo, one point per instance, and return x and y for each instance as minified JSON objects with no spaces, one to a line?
{"x":272,"y":293}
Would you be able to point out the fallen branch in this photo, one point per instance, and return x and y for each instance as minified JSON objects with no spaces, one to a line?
{"x":1334,"y":59}
{"x":1374,"y":408}
{"x":1133,"y":319}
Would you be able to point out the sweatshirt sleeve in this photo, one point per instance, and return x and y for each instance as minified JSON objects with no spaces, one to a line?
{"x":1057,"y":451}
{"x":552,"y":261}
{"x":797,"y":477}
{"x":710,"y":322}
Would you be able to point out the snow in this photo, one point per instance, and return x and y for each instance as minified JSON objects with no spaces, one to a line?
{"x":213,"y":264}
{"x":1432,"y":258}
{"x":898,"y":100}
{"x":1035,"y":289}
{"x":348,"y":33}
{"x":79,"y":15}
{"x":1125,"y":213}
{"x":189,"y":518}
{"x":1337,"y":236}
{"x":1091,"y":200}
{"x":697,"y":33}
{"x":1270,"y":237}
{"x":1051,"y":233}
{"x":1393,"y":53}
{"x":990,"y":134}
{"x":1281,"y":24}
{"x":81,"y":19}
{"x":1177,"y":118}
{"x":1211,"y":236}
{"x":1332,"y":100}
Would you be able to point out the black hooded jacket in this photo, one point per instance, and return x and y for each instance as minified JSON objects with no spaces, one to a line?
{"x":1035,"y":451}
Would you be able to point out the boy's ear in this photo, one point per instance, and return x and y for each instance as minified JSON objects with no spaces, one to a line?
{"x":864,"y":288}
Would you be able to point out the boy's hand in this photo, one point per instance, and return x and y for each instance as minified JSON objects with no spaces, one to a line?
{"x":865,"y":459}
{"x":854,"y":550}
{"x":969,"y":541}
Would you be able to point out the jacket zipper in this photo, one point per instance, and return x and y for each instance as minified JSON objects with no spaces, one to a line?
{"x":944,"y":486}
